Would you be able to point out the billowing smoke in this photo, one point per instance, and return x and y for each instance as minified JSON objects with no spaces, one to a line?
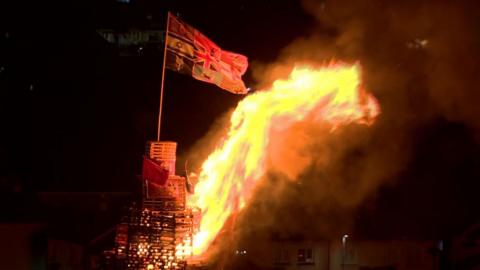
{"x":419,"y":58}
{"x":419,"y":64}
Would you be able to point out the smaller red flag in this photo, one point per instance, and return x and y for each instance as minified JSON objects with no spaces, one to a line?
{"x":154,"y":172}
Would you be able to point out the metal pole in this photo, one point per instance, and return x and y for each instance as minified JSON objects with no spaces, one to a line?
{"x":328,"y":255}
{"x":344,"y":253}
{"x":163,"y":79}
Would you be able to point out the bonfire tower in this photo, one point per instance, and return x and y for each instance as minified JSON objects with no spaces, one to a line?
{"x":157,"y":233}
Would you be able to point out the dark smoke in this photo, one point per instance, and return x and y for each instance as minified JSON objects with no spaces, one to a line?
{"x":419,"y":58}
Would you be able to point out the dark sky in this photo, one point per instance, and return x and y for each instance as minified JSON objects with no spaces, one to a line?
{"x":75,"y":116}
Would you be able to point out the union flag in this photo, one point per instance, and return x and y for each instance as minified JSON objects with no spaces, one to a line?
{"x":191,"y":52}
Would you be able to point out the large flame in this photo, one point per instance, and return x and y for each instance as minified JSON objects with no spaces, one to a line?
{"x":228,"y":177}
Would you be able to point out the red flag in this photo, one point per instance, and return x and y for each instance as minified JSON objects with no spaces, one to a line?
{"x":154,"y":172}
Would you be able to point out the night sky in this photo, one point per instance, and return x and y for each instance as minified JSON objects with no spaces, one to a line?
{"x":75,"y":115}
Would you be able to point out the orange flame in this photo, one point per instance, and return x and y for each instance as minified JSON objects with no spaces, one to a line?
{"x":229,"y":175}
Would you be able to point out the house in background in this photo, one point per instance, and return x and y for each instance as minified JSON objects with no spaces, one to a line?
{"x":335,"y":255}
{"x":53,"y":231}
{"x":30,"y":247}
{"x":465,"y":249}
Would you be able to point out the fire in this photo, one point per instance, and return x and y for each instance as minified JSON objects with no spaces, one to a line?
{"x":228,"y":177}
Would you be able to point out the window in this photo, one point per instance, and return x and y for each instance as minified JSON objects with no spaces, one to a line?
{"x":305,"y":255}
{"x":281,"y":256}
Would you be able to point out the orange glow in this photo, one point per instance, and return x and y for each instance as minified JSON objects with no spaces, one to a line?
{"x":331,"y":94}
{"x":183,"y":249}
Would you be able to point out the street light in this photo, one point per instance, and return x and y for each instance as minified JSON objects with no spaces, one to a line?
{"x":344,"y":255}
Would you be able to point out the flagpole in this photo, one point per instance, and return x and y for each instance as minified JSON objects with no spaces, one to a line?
{"x":163,"y":78}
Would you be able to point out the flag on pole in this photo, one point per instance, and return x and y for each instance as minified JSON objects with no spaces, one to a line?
{"x":192,"y":53}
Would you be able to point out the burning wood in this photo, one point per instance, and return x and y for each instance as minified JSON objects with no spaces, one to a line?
{"x":332,"y":95}
{"x":167,"y":230}
{"x":159,"y":233}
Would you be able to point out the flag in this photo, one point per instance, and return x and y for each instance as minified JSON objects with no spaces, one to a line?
{"x":154,"y":172}
{"x":192,"y":53}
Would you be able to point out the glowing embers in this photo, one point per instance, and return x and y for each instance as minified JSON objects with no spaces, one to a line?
{"x":331,"y":96}
{"x":158,"y":239}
